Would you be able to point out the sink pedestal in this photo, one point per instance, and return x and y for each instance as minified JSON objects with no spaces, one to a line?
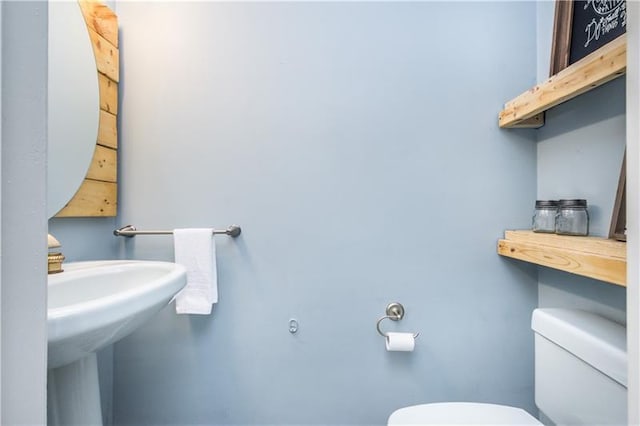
{"x":90,"y":306}
{"x":73,"y":394}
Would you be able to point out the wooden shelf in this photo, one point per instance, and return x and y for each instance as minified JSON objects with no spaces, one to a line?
{"x":599,"y":67}
{"x":592,"y":257}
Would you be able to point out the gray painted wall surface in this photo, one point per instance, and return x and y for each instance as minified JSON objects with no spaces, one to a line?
{"x":361,"y":156}
{"x":544,"y":32}
{"x":86,"y":238}
{"x":633,"y":213}
{"x":0,"y":211}
{"x":23,"y":247}
{"x":580,"y":151}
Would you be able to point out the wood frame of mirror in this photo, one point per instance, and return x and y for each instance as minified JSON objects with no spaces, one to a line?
{"x":97,"y":196}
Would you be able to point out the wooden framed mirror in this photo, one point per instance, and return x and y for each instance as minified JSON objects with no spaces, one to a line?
{"x":97,"y":196}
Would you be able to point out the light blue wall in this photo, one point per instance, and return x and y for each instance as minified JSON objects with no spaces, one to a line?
{"x":580,"y":151}
{"x":357,"y":146}
{"x":23,"y":150}
{"x":86,"y":238}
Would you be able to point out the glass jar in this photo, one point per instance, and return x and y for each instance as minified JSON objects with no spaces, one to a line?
{"x":572,"y":217}
{"x":544,"y":218}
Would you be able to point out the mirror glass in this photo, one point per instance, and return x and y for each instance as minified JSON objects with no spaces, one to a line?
{"x":73,"y":103}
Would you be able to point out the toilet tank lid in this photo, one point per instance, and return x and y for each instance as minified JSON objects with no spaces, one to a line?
{"x":596,"y":340}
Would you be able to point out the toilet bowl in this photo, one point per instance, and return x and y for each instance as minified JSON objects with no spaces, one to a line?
{"x":580,"y":378}
{"x":462,"y":413}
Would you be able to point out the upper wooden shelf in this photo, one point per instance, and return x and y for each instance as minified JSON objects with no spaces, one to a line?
{"x":592,"y":257}
{"x":599,"y":67}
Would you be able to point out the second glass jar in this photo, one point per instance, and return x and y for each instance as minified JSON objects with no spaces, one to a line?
{"x":572,"y":217}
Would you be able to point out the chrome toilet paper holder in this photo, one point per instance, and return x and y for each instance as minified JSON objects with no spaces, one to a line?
{"x":394,"y":312}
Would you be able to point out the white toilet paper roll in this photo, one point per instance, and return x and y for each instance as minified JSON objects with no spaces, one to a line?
{"x":400,"y":342}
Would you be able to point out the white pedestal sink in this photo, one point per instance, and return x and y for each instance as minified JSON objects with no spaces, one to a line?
{"x":91,"y":305}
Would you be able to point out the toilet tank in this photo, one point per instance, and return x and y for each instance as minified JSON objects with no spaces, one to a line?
{"x":580,"y":367}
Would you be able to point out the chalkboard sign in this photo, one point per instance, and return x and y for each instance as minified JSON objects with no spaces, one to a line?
{"x":595,"y":23}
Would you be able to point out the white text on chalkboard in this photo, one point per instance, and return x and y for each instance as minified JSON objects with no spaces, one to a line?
{"x":611,"y":14}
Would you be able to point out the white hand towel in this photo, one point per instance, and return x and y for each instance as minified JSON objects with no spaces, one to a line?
{"x":195,"y":250}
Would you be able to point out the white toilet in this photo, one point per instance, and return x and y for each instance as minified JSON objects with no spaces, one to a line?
{"x":580,"y":378}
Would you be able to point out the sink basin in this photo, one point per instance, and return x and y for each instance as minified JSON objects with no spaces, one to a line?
{"x":93,"y":304}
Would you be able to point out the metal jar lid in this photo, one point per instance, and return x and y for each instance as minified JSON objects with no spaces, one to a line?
{"x":576,"y":203}
{"x":541,"y":204}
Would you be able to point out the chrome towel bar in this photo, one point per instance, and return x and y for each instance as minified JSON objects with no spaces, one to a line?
{"x":130,"y":231}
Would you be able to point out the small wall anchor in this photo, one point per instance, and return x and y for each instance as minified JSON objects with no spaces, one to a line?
{"x":293,"y":325}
